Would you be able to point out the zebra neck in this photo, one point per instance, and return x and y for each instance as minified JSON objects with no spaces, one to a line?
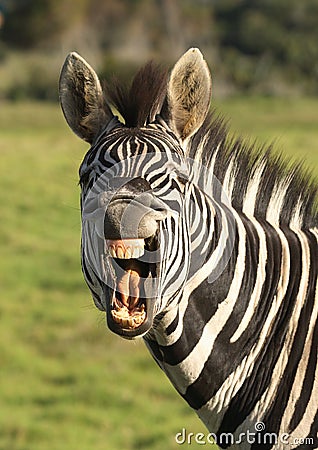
{"x":212,"y":233}
{"x":215,"y":339}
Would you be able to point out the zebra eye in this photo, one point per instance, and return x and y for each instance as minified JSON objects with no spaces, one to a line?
{"x":182,"y":180}
{"x":179,"y":178}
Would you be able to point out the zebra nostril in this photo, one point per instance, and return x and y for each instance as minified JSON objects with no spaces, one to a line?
{"x":129,"y":215}
{"x":129,"y":219}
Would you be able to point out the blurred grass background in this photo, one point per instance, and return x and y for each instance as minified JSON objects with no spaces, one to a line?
{"x":65,"y":381}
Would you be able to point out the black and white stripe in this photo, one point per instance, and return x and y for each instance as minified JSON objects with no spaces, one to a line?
{"x":244,"y":348}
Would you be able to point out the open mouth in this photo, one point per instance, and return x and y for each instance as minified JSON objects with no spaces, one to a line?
{"x":130,"y":312}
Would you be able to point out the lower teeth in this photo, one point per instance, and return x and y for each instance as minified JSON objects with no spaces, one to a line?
{"x":126,"y":318}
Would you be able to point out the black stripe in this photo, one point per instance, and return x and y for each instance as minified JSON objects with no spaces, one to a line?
{"x":196,"y":200}
{"x":173,"y":325}
{"x":172,"y":268}
{"x":308,"y":383}
{"x":202,"y":305}
{"x":154,"y":350}
{"x":276,"y":411}
{"x":200,"y":257}
{"x":225,"y":357}
{"x":254,"y":386}
{"x":309,"y":378}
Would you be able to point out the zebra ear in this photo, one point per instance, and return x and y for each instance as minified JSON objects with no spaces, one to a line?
{"x":82,"y":98}
{"x":189,"y":93}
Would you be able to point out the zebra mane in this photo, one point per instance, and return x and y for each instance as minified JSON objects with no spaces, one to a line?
{"x":281,"y":192}
{"x":284,"y":193}
{"x":139,"y":103}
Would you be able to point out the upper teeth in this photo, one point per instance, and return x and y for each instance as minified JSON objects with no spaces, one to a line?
{"x":125,"y":248}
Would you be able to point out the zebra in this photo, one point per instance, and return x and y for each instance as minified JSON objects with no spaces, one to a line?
{"x":204,"y":246}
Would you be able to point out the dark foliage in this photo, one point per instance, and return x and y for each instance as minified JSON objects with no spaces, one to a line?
{"x":140,"y":103}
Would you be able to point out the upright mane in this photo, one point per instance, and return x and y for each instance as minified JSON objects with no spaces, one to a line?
{"x":139,"y":103}
{"x":284,"y":192}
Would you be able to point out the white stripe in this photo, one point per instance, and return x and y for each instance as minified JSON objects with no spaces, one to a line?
{"x":259,"y":282}
{"x":303,"y":428}
{"x":189,"y":369}
{"x":277,"y":201}
{"x":228,"y":181}
{"x":204,"y":235}
{"x":245,"y":368}
{"x":296,"y":221}
{"x":194,"y":217}
{"x":252,"y":190}
{"x":206,"y":185}
{"x":270,"y":393}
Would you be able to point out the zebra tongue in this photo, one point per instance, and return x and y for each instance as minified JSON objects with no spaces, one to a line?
{"x":128,"y":287}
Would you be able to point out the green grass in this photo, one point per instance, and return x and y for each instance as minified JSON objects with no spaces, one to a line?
{"x":65,"y":381}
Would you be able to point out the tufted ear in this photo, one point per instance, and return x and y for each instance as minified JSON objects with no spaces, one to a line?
{"x":82,"y":98}
{"x":189,"y":93}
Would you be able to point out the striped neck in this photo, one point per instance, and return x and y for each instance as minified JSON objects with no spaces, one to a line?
{"x":216,"y":337}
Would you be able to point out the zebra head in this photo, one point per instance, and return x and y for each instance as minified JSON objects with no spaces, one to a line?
{"x":135,"y":250}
